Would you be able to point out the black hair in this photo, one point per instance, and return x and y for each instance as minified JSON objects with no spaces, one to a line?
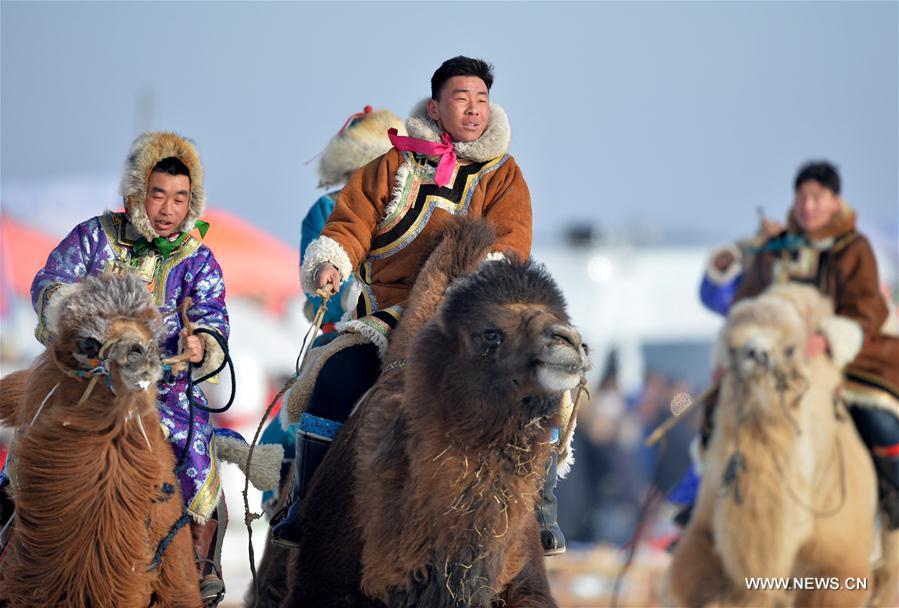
{"x":460,"y":66}
{"x":822,"y":172}
{"x":171,"y":165}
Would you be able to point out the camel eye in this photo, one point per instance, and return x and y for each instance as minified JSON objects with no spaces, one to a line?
{"x":789,"y":351}
{"x":89,"y":347}
{"x":492,"y":336}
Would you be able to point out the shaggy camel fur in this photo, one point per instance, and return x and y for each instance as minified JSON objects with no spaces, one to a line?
{"x":93,"y":479}
{"x":426,"y":497}
{"x":788,"y":488}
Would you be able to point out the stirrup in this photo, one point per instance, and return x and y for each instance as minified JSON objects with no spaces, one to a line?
{"x":212,"y":587}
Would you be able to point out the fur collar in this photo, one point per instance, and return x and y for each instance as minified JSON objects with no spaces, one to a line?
{"x":842,"y":222}
{"x":492,"y":144}
{"x":146,"y":151}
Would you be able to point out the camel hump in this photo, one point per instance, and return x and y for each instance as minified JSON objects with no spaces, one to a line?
{"x":458,"y":250}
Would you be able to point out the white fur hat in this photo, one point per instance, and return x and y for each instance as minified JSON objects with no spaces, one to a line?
{"x":361,"y":140}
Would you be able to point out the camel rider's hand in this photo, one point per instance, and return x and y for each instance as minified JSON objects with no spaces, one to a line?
{"x":770,"y":228}
{"x":193,"y":346}
{"x":327,"y":276}
{"x":816,"y":344}
{"x":718,"y":375}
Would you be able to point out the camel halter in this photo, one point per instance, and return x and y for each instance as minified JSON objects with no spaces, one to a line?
{"x":93,"y":368}
{"x":736,"y":464}
{"x":582,"y":391}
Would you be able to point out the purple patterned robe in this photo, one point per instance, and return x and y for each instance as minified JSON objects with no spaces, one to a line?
{"x":105,"y":243}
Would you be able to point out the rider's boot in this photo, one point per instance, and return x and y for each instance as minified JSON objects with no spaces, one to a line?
{"x":310,"y":451}
{"x":207,"y":541}
{"x":879,"y":428}
{"x":546,"y":510}
{"x":888,"y":482}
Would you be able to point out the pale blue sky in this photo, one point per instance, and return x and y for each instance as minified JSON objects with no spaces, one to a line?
{"x":677,"y":117}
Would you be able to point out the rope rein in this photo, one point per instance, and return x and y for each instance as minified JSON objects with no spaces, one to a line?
{"x":177,"y":365}
{"x":180,"y":363}
{"x":249,"y":516}
{"x":168,"y":538}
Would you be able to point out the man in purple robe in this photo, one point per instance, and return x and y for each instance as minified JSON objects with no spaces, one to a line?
{"x":164,"y":197}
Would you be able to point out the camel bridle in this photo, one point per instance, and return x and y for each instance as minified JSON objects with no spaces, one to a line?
{"x":784,"y":380}
{"x":93,"y":368}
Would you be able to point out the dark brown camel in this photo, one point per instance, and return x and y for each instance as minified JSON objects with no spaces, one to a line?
{"x":91,"y":471}
{"x":426,"y":497}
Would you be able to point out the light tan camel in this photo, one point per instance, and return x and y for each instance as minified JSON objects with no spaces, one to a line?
{"x":788,"y":489}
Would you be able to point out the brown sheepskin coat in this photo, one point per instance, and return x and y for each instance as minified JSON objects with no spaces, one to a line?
{"x":381,"y":215}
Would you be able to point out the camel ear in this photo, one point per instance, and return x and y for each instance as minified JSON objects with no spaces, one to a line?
{"x":441,"y":321}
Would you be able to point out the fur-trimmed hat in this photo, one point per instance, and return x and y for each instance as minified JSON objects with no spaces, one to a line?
{"x":146,"y":151}
{"x":361,"y":140}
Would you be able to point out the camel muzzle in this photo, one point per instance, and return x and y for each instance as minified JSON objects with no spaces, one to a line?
{"x":753,"y":358}
{"x":137,"y":363}
{"x":563,"y":359}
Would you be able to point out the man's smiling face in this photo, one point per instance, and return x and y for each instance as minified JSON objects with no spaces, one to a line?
{"x":167,"y":202}
{"x":463,"y":108}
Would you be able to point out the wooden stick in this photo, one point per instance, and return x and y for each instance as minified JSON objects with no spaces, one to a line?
{"x":186,"y":303}
{"x":673,"y":421}
{"x":576,"y":404}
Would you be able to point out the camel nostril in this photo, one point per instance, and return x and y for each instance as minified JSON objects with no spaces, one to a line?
{"x":566,"y":334}
{"x":137,"y":349}
{"x":758,"y":355}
